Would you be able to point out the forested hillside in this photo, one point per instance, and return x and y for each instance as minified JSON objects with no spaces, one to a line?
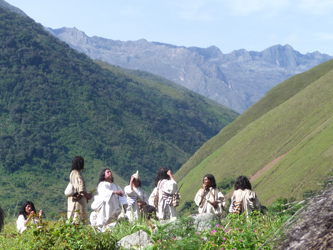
{"x":57,"y":103}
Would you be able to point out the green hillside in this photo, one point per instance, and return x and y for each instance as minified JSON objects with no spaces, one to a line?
{"x":271,"y":128}
{"x":56,"y":103}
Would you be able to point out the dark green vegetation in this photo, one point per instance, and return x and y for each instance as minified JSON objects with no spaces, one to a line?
{"x":292,"y":121}
{"x":56,"y":103}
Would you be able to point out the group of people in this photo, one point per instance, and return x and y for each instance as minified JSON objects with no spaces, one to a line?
{"x":112,"y":203}
{"x":209,"y":199}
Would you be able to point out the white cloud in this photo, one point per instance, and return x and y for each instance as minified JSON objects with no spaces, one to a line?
{"x":196,"y":9}
{"x":324,"y":36}
{"x":316,"y":6}
{"x":247,"y":7}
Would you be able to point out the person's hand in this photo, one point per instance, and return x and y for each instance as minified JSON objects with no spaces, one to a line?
{"x":141,"y":204}
{"x":32,"y":214}
{"x":120,"y":193}
{"x":89,"y":196}
{"x":131,"y":181}
{"x":41,"y":213}
{"x":205,"y":187}
{"x":214,"y":204}
{"x":169,"y":173}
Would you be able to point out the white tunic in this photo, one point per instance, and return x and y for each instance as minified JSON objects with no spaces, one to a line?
{"x":204,"y":203}
{"x":164,"y":211}
{"x":132,"y":195}
{"x":105,"y":203}
{"x":246,"y":201}
{"x":20,"y":223}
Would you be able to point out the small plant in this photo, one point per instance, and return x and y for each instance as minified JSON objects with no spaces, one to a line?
{"x":62,"y":234}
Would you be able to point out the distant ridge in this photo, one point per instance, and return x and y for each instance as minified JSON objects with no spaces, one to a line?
{"x":236,"y":80}
{"x":6,"y":5}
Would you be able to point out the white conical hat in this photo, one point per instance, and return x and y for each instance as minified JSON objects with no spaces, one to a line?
{"x":136,"y":175}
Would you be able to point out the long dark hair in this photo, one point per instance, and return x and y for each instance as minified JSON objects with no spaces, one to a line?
{"x":22,"y":209}
{"x":212,"y":180}
{"x":161,"y":175}
{"x":77,"y":163}
{"x":102,"y":176}
{"x":242,"y":183}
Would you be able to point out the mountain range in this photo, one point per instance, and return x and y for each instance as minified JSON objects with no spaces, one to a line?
{"x":236,"y":80}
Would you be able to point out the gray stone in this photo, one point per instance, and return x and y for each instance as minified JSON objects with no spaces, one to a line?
{"x":138,"y":240}
{"x":205,"y":221}
{"x":313,"y":228}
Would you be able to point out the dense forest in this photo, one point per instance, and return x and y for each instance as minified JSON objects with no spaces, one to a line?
{"x":56,"y":103}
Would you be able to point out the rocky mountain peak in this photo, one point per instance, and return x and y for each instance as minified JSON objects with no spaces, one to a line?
{"x":236,"y":80}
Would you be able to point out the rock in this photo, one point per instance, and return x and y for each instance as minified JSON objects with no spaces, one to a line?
{"x":205,"y":221}
{"x":314,"y":226}
{"x":139,"y":240}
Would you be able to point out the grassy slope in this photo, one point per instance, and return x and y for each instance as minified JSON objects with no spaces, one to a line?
{"x":276,"y":96}
{"x":257,"y":141}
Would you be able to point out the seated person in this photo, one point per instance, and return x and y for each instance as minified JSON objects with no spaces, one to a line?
{"x":136,"y":197}
{"x":243,"y":198}
{"x":110,"y":198}
{"x":209,"y":199}
{"x":27,"y":216}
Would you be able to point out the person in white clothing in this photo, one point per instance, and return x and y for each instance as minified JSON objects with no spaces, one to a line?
{"x":27,"y":216}
{"x":165,"y":187}
{"x":209,"y":199}
{"x":136,"y":197}
{"x":244,"y":200}
{"x":109,"y":199}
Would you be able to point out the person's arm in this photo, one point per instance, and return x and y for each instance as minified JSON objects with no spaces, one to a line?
{"x":171,"y":175}
{"x":128,"y":191}
{"x":219,"y":200}
{"x":119,"y":192}
{"x":199,"y":197}
{"x":152,"y":197}
{"x":81,"y":187}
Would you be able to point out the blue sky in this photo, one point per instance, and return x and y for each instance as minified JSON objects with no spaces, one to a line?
{"x":306,"y":25}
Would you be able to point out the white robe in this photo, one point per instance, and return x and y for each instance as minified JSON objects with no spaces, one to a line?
{"x":247,"y":199}
{"x":20,"y":223}
{"x":204,"y":203}
{"x":164,"y":211}
{"x":132,"y":195}
{"x":105,"y":203}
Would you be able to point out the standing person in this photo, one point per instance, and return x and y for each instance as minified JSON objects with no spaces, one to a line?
{"x":136,"y":197}
{"x":165,"y":187}
{"x":110,"y":199}
{"x":243,"y":198}
{"x":27,"y":216}
{"x":79,"y":201}
{"x":209,"y":199}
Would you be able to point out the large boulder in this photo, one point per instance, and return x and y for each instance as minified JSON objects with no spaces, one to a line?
{"x":139,"y":240}
{"x":314,"y":226}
